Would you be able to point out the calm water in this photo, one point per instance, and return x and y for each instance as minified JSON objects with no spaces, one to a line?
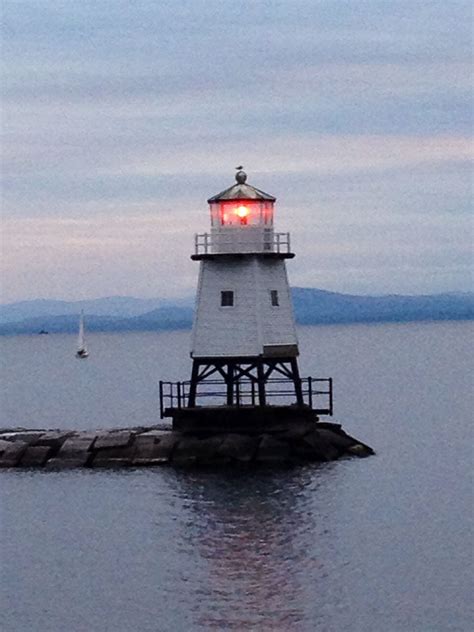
{"x":381,"y":544}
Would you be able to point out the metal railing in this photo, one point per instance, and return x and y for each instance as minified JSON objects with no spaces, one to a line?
{"x":206,"y":243}
{"x":317,"y":394}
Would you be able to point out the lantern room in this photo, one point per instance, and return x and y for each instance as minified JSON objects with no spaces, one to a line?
{"x":241,"y":221}
{"x":241,"y":205}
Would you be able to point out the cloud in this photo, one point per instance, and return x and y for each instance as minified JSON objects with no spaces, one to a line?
{"x":121,"y":119}
{"x":135,"y":255}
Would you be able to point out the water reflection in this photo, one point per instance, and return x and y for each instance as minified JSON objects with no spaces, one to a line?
{"x":256,"y":534}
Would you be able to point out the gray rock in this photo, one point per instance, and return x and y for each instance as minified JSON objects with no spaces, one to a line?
{"x":59,"y":463}
{"x":52,"y":439}
{"x":35,"y":456}
{"x":76,"y":447}
{"x":113,"y":440}
{"x":271,"y":449}
{"x":360,"y":450}
{"x":238,"y":447}
{"x":27,"y":437}
{"x":297,"y":431}
{"x":147,"y":451}
{"x":153,"y":434}
{"x":12,"y":454}
{"x":340,"y":441}
{"x":166,"y":445}
{"x":4,"y":445}
{"x":194,"y":450}
{"x":113,"y":457}
{"x":314,"y":447}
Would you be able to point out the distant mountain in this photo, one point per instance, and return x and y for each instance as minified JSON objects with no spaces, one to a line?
{"x":157,"y":319}
{"x":115,"y":306}
{"x":319,"y":306}
{"x":312,"y":307}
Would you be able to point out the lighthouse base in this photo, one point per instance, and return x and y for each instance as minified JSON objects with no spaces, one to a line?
{"x":243,"y":419}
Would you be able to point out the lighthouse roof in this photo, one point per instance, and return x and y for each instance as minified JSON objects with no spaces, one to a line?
{"x":242,"y":191}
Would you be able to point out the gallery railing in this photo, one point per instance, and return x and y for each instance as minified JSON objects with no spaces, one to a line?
{"x":206,"y":243}
{"x":317,"y":394}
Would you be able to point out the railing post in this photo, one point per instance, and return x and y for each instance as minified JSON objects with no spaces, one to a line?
{"x":288,"y":241}
{"x":310,"y":392}
{"x":330,"y":396}
{"x":178,"y":386}
{"x":161,"y":399}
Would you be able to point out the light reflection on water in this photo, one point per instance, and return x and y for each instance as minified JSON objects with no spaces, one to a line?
{"x":375,"y":544}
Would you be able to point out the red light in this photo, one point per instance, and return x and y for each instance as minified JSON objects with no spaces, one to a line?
{"x":242,"y":211}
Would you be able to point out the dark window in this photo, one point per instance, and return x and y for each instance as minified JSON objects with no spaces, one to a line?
{"x":274,"y":297}
{"x":227,"y":298}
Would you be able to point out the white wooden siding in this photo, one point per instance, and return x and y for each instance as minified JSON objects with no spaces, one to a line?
{"x":242,"y":330}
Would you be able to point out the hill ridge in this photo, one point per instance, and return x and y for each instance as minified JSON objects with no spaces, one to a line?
{"x":312,"y":307}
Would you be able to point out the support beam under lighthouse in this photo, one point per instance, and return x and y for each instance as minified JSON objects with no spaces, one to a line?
{"x":244,"y":343}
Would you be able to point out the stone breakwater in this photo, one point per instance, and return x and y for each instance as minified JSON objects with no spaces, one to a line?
{"x":136,"y":447}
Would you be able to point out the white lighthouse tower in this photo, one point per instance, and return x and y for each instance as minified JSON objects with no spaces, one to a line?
{"x":244,"y":344}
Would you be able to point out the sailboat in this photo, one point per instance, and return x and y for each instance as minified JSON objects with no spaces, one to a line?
{"x":81,"y":342}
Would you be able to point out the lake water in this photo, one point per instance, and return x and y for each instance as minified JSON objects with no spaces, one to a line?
{"x":380,"y":544}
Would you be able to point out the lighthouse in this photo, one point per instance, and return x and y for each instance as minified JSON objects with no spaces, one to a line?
{"x":244,"y":345}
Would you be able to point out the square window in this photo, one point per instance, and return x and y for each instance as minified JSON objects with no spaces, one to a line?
{"x":274,"y":297}
{"x":227,"y":298}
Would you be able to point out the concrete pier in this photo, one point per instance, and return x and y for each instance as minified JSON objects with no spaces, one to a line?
{"x":150,"y":446}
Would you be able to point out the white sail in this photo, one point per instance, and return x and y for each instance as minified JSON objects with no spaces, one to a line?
{"x":81,"y":341}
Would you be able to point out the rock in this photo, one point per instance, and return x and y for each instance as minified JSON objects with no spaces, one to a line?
{"x":238,"y":447}
{"x":314,"y":447}
{"x":112,"y":457}
{"x":154,"y":434}
{"x":340,"y":440}
{"x":52,"y":439}
{"x":297,"y":431}
{"x":329,"y":425}
{"x":147,"y":451}
{"x":112,"y":440}
{"x":12,"y":454}
{"x":208,"y":451}
{"x":271,"y":449}
{"x":166,"y":445}
{"x":4,"y":445}
{"x":58,"y":463}
{"x":360,"y":450}
{"x":74,"y":452}
{"x":27,"y":437}
{"x":76,"y":447}
{"x":35,"y":456}
{"x":194,"y":450}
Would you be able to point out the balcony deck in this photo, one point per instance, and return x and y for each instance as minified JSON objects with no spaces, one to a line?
{"x":280,"y":394}
{"x":207,"y":245}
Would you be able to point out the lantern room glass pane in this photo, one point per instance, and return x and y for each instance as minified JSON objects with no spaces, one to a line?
{"x":267,"y":211}
{"x":241,"y":213}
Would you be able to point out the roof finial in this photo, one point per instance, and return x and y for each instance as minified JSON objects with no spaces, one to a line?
{"x":240,"y":176}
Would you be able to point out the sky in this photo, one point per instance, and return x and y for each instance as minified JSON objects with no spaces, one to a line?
{"x":120,"y":119}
